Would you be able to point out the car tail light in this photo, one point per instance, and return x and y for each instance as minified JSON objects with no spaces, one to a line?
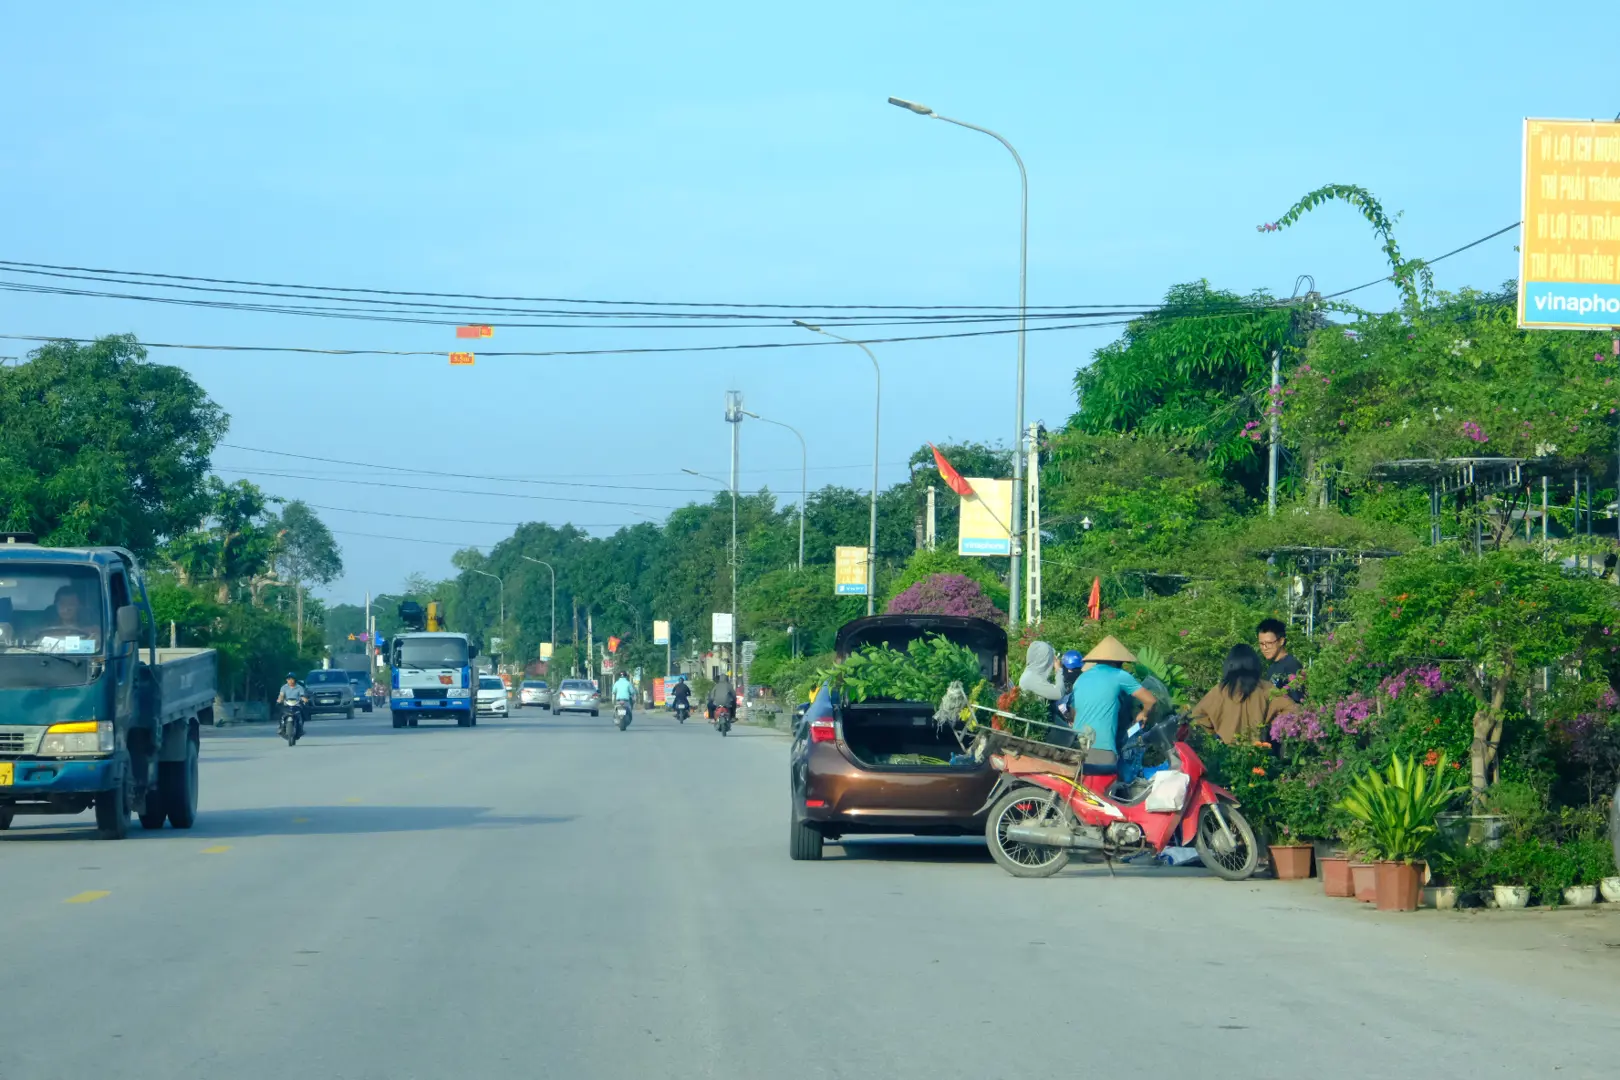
{"x":815,"y":804}
{"x":823,"y":731}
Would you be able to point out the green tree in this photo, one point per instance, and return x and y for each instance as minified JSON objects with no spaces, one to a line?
{"x":235,"y":545}
{"x":97,"y":446}
{"x":305,"y":554}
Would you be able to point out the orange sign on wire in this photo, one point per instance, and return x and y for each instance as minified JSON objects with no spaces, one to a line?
{"x":461,"y":359}
{"x":475,"y":331}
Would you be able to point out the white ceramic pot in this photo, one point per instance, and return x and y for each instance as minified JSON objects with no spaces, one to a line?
{"x":1610,"y":888}
{"x":1580,"y":895}
{"x":1440,"y":897}
{"x":1511,"y":896}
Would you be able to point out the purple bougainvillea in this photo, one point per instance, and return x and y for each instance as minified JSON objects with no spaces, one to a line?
{"x":945,"y":594}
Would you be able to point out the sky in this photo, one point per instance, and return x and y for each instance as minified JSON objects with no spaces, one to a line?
{"x":718,"y":153}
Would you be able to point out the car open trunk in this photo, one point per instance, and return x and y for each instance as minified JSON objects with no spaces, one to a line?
{"x":900,"y":736}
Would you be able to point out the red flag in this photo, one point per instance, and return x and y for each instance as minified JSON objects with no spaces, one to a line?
{"x":952,"y":478}
{"x":1094,"y":605}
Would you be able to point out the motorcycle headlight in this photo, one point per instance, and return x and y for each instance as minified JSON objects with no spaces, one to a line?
{"x":78,"y":737}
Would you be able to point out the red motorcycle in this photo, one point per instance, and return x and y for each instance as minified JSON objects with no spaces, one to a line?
{"x":1048,"y":804}
{"x":722,"y":719}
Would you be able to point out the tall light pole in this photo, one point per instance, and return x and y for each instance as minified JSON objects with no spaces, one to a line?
{"x":553,"y":570}
{"x":502,"y":584}
{"x":877,"y":428}
{"x":734,"y":415}
{"x":1023,"y":310}
{"x":804,"y":474}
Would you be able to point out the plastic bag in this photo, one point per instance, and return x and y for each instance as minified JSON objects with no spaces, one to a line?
{"x":1168,"y":792}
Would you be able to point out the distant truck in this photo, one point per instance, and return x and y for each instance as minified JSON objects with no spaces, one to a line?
{"x":433,"y":677}
{"x":89,"y":715}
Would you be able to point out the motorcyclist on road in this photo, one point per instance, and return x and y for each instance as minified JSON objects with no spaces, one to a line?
{"x":681,"y":694}
{"x":624,"y":690}
{"x":293,"y":693}
{"x":722,"y":695}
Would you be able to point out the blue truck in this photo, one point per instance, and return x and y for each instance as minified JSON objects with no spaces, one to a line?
{"x":92,"y":713}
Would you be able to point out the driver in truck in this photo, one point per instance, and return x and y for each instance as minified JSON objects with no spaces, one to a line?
{"x":70,"y":615}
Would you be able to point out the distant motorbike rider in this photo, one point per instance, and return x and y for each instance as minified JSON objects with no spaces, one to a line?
{"x":624,"y":691}
{"x":681,"y":695}
{"x":296,"y":697}
{"x":722,"y":695}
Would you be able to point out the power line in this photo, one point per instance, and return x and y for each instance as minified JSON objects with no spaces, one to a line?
{"x":1426,"y":262}
{"x":449,"y":491}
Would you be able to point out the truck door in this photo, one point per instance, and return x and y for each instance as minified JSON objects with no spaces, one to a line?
{"x":122,"y":655}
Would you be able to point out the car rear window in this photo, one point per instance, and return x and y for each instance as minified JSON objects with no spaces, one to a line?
{"x":534,"y":686}
{"x":576,"y":684}
{"x":489,"y":682}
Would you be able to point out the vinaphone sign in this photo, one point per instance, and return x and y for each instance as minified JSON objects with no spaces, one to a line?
{"x":1569,"y":247}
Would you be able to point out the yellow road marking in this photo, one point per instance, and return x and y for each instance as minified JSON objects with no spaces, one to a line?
{"x":216,"y":849}
{"x":300,"y":821}
{"x":88,"y":897}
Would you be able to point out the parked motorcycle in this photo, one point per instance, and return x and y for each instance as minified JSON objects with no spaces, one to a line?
{"x":722,"y":719}
{"x":292,"y":723}
{"x":621,"y":713}
{"x":682,"y":711}
{"x":1039,"y":816}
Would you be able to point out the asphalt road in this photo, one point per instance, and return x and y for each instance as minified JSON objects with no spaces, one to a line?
{"x":549,"y":897}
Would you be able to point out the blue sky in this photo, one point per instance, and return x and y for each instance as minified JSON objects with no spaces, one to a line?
{"x":721,"y":152}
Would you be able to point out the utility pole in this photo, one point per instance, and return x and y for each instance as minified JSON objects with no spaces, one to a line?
{"x":590,"y":646}
{"x":1032,"y":524}
{"x":931,"y":535}
{"x":1274,"y":408}
{"x":734,"y":415}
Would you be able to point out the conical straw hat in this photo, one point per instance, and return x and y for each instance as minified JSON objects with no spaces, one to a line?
{"x":1109,"y":648}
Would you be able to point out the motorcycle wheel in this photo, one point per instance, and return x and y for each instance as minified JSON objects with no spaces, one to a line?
{"x":1225,"y":859}
{"x":624,"y":721}
{"x":1025,"y":806}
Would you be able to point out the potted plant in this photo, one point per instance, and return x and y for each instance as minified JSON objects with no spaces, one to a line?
{"x":1398,"y":807}
{"x":1513,"y":870}
{"x":1359,"y":863}
{"x":1335,"y":871}
{"x":1296,"y":813}
{"x":1592,"y":859}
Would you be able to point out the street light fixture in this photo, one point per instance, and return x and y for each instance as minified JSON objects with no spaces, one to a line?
{"x":1023,"y":311}
{"x":877,"y":426}
{"x":804,"y":474}
{"x":553,"y":570}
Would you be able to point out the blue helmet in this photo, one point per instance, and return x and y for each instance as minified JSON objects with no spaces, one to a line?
{"x":1072,"y":660}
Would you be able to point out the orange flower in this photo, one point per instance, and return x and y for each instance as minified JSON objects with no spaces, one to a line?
{"x":1432,"y":759}
{"x":1259,"y":770}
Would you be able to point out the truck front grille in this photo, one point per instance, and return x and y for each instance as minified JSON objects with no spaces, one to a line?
{"x":435,"y":694}
{"x":19,"y":740}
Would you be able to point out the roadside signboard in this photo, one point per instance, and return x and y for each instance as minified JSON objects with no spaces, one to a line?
{"x":721,"y":629}
{"x":849,"y":571}
{"x":461,"y":359}
{"x":985,"y":518}
{"x":475,"y":331}
{"x":1569,"y":243}
{"x":545,"y":650}
{"x":658,"y":691}
{"x":660,"y":632}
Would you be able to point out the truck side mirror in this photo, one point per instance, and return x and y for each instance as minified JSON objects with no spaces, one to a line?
{"x":128,"y":622}
{"x":472,"y":652}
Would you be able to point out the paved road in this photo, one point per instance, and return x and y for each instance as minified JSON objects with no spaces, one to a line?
{"x":548,"y":897}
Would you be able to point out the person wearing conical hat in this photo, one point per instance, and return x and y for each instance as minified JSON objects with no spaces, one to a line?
{"x":1097,"y":696}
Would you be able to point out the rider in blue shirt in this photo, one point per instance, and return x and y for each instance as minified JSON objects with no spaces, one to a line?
{"x":1095,"y":699}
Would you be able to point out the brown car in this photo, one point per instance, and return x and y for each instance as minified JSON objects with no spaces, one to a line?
{"x":873,"y":767}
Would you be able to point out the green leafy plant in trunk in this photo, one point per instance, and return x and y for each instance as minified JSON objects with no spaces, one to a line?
{"x":922,"y":673}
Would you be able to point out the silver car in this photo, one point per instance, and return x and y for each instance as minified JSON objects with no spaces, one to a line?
{"x":577,"y":695}
{"x":330,"y":691}
{"x":534,"y":692}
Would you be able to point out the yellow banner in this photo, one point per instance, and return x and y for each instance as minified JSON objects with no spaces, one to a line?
{"x":849,"y":571}
{"x":985,"y":527}
{"x":1569,"y":246}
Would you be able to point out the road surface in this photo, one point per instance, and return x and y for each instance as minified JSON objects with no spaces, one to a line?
{"x":549,"y":897}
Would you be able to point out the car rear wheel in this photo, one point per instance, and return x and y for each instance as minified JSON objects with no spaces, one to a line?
{"x":1025,"y":806}
{"x":805,"y":841}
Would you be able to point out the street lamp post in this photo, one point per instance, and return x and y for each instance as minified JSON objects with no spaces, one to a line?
{"x":553,"y":570}
{"x":733,"y":488}
{"x":804,"y":474}
{"x":1023,"y":310}
{"x":502,"y":584}
{"x":877,"y":427}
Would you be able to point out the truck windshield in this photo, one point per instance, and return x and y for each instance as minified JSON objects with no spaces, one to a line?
{"x":51,"y":624}
{"x":433,"y":652}
{"x":327,"y":675}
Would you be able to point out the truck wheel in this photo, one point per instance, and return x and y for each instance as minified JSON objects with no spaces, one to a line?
{"x":177,"y":787}
{"x":804,"y":841}
{"x":463,"y":721}
{"x":154,"y":815}
{"x":112,"y":813}
{"x":5,"y":819}
{"x":399,"y":719}
{"x":412,"y":721}
{"x":350,"y":715}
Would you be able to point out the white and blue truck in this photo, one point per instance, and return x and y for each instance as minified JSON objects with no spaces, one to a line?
{"x":432,"y":672}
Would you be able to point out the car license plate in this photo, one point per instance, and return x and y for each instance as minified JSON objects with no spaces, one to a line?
{"x":6,"y":771}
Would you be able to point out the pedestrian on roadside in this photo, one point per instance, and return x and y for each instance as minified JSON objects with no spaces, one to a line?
{"x":1104,"y":686}
{"x":1242,"y":705}
{"x":1283,"y":668}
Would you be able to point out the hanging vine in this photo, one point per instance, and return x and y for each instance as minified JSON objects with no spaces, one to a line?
{"x":1412,"y":276}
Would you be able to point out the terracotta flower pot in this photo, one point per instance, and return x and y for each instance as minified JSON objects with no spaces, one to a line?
{"x":1364,"y":885}
{"x":1292,"y":862}
{"x":1398,"y":886}
{"x":1335,"y":871}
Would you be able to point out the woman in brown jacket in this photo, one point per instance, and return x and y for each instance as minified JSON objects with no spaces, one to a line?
{"x":1243,"y":704}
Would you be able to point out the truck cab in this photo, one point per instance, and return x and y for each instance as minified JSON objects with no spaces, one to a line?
{"x":433,"y":678}
{"x":89,"y":717}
